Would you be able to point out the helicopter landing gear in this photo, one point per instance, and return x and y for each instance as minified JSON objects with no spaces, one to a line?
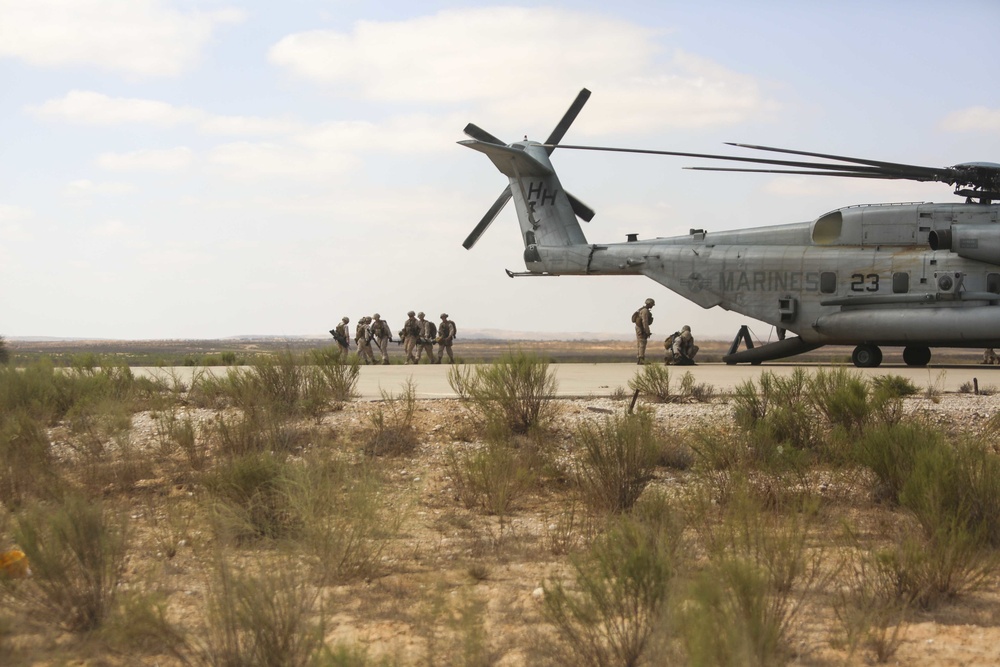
{"x":916,"y":355}
{"x":867,"y":356}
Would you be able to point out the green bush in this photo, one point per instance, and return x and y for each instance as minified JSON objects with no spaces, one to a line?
{"x":513,"y":394}
{"x":618,"y":456}
{"x":252,"y":497}
{"x":77,"y":551}
{"x":621,"y":589}
{"x":494,"y":478}
{"x":4,"y":352}
{"x":392,"y":432}
{"x":653,"y":382}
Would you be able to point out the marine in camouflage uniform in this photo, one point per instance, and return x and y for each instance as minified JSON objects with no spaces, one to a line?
{"x":990,"y":357}
{"x":684,"y":347}
{"x":342,"y":334}
{"x":382,"y":334}
{"x":363,"y":337}
{"x":410,"y":333}
{"x":642,"y":332}
{"x":425,"y":343}
{"x":445,"y":337}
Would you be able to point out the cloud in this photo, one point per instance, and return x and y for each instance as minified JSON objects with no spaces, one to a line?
{"x":515,"y":61}
{"x":137,"y":37}
{"x":90,"y":108}
{"x":973,"y":119}
{"x":11,"y":213}
{"x":250,"y":160}
{"x":171,"y":159}
{"x":111,"y":229}
{"x":85,"y":187}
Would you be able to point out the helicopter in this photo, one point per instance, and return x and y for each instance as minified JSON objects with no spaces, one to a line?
{"x":910,"y":275}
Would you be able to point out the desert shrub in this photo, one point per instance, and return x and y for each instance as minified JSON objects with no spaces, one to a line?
{"x":777,"y":411}
{"x":621,"y":589}
{"x":4,"y":352}
{"x":330,"y":379}
{"x":77,"y":550}
{"x":653,"y":382}
{"x":513,"y":394}
{"x":740,"y":608}
{"x":266,"y":617}
{"x":251,"y":494}
{"x":25,"y":458}
{"x":347,"y":520}
{"x":895,"y":386}
{"x":890,"y":452}
{"x":272,"y":383}
{"x":392,"y":432}
{"x":618,"y":456}
{"x":495,"y":477}
{"x":841,"y":397}
{"x":253,"y":433}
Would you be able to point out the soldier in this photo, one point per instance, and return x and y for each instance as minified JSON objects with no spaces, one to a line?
{"x":428,"y":332}
{"x":382,"y":334}
{"x":341,"y":334}
{"x":642,"y":319}
{"x":447,"y":333}
{"x":684,"y":348}
{"x":410,"y":333}
{"x":990,"y":357}
{"x":363,"y":338}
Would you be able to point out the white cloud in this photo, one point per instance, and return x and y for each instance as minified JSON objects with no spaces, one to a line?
{"x":138,"y":37}
{"x":520,"y":60}
{"x":247,"y":160}
{"x":973,"y":119}
{"x":171,"y":159}
{"x":90,"y":108}
{"x":111,"y":229}
{"x":85,"y":187}
{"x":11,"y":213}
{"x":247,"y":125}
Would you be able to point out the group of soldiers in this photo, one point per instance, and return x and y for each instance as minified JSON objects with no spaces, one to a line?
{"x":679,"y":347}
{"x":418,"y":336}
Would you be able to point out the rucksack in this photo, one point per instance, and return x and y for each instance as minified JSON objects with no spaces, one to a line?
{"x":635,"y":317}
{"x":432,"y":330}
{"x":669,"y":341}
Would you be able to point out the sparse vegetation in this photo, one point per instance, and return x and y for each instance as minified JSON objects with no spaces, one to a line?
{"x":272,"y":521}
{"x":513,"y":394}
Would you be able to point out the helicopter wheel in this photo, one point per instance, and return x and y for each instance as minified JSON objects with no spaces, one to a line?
{"x":867,"y":356}
{"x":916,"y":355}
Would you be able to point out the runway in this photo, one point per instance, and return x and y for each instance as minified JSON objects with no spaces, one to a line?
{"x":583,"y":380}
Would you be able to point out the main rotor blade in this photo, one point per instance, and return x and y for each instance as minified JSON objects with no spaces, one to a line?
{"x":874,"y":163}
{"x":850,"y":174}
{"x":560,"y":130}
{"x":487,"y":219}
{"x":479,"y":133}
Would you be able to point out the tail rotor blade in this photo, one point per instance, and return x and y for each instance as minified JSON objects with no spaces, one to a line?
{"x":487,"y":219}
{"x":479,"y":133}
{"x":567,"y":119}
{"x":582,"y":211}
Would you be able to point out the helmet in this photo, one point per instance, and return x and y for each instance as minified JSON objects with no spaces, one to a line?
{"x":420,"y":314}
{"x":444,"y":316}
{"x":377,"y":316}
{"x":650,"y":303}
{"x":686,"y":328}
{"x":345,"y":319}
{"x":410,"y":314}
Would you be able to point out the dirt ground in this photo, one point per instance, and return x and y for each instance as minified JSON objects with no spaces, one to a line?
{"x":453,"y":573}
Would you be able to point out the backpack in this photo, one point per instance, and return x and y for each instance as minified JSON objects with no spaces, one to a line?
{"x":432,"y":331}
{"x":635,"y":317}
{"x":669,"y":342}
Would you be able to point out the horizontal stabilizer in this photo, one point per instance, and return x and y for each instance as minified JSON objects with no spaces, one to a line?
{"x":778,"y":350}
{"x":512,"y":162}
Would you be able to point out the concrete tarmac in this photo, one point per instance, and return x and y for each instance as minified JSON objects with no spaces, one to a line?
{"x":583,"y":380}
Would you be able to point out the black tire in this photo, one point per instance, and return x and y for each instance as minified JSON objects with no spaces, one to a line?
{"x":916,"y":355}
{"x":867,"y":356}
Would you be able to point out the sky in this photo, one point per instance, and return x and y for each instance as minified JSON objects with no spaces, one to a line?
{"x":210,"y":168}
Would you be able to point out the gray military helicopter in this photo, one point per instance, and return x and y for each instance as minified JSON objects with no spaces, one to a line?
{"x":912,"y":275}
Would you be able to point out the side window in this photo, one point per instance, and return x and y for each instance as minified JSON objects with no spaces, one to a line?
{"x":828,"y":282}
{"x":900,"y":282}
{"x":993,"y":282}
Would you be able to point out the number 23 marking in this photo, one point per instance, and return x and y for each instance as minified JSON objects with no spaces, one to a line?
{"x":864,"y":283}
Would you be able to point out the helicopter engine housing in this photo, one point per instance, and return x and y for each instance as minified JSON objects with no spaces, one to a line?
{"x":978,"y":242}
